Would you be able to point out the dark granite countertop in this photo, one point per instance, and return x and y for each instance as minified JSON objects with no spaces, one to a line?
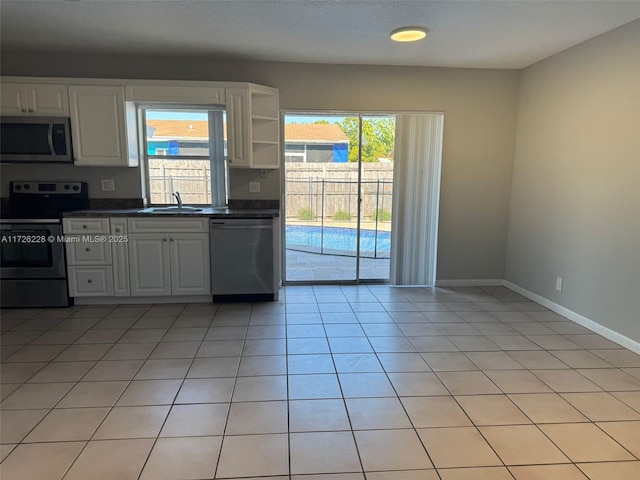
{"x":206,"y":212}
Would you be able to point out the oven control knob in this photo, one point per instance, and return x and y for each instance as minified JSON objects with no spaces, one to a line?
{"x":27,"y":186}
{"x":67,"y":187}
{"x":18,"y":187}
{"x":76,"y":188}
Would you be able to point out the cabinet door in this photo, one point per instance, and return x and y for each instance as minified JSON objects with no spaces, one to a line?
{"x":13,"y":99}
{"x":238,"y":128}
{"x":149,"y":264}
{"x":190,"y":265}
{"x":98,"y":126}
{"x":48,"y":100}
{"x":120,"y":257}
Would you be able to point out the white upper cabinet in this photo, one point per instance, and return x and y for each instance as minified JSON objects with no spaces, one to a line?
{"x":43,"y":100}
{"x":102,"y":126}
{"x":238,"y":135}
{"x":253,"y":120}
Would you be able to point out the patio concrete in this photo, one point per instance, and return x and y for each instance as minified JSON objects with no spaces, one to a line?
{"x":304,"y":266}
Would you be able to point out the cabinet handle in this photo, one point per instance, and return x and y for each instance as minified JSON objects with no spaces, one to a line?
{"x":89,"y":281}
{"x":164,"y":239}
{"x":171,"y":239}
{"x":88,"y":249}
{"x":31,"y":110}
{"x":24,"y":110}
{"x":117,"y":230}
{"x":84,"y":226}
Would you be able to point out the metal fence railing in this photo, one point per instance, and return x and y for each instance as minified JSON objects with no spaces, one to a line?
{"x":327,"y":209}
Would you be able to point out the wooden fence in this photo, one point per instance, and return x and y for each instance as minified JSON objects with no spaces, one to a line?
{"x":329,"y":190}
{"x":192,"y":178}
{"x":326,"y":190}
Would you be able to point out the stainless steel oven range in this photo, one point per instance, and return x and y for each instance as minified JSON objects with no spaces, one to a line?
{"x":32,"y":252}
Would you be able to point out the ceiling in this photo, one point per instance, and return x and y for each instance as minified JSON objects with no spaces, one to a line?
{"x":471,"y":34}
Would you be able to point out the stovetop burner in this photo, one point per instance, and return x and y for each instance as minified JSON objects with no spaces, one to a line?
{"x":29,"y":200}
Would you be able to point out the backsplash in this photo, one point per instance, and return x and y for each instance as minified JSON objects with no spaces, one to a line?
{"x":115,"y":203}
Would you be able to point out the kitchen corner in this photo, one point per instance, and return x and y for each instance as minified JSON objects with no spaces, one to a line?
{"x":113,"y":247}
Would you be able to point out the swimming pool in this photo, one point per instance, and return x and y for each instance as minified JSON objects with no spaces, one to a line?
{"x":338,"y":241}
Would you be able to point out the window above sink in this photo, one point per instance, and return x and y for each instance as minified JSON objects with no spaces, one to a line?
{"x":184,"y":151}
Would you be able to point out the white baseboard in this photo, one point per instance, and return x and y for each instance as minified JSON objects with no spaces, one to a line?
{"x":478,"y":282}
{"x":577,"y":318}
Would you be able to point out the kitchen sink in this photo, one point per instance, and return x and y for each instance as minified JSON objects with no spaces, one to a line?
{"x":172,"y":210}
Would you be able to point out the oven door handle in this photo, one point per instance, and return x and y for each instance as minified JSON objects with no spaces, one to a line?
{"x":50,"y":139}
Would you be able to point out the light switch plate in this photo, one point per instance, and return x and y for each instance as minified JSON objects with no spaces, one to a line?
{"x":108,"y":185}
{"x":254,"y":187}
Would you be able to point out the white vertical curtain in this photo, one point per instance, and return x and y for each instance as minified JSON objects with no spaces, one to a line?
{"x":416,"y":193}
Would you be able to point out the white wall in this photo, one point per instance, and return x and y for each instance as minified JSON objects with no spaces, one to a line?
{"x":575,"y":199}
{"x":479,"y":107}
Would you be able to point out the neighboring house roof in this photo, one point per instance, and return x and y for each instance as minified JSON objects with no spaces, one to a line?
{"x":293,"y":132}
{"x":314,"y":133}
{"x":194,"y":129}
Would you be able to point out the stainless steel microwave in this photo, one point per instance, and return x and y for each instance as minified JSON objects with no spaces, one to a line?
{"x":35,"y":140}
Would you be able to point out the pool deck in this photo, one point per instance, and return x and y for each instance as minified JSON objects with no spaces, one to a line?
{"x":307,"y":267}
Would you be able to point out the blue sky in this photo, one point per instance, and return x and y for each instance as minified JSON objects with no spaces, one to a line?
{"x":169,"y":115}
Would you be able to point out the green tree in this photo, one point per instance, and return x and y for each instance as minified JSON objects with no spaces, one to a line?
{"x":378,"y":136}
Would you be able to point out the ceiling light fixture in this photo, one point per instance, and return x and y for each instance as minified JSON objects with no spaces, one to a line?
{"x":408,"y":34}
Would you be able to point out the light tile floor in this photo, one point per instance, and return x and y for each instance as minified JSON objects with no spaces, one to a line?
{"x":331,"y":383}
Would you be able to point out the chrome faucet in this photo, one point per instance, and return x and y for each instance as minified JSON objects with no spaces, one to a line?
{"x":178,"y":199}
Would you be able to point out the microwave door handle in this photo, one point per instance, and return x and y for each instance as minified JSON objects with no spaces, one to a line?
{"x":50,"y":139}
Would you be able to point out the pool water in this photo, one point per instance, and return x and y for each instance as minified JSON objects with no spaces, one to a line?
{"x":338,"y":240}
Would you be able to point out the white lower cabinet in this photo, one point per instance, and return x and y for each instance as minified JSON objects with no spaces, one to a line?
{"x":190,"y":264}
{"x":149,"y":267}
{"x":172,"y":262}
{"x":120,"y":256}
{"x":89,"y":257}
{"x":138,"y":257}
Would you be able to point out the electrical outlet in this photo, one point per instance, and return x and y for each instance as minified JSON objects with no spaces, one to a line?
{"x":559,"y":284}
{"x":254,"y":187}
{"x":108,"y":185}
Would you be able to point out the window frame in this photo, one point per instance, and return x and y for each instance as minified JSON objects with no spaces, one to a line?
{"x":218,"y":162}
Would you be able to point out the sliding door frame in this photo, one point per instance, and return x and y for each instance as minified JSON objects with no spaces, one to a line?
{"x":283,"y":224}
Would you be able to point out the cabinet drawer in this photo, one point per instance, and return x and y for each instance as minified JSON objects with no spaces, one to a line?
{"x":168,"y":225}
{"x":86,"y":225}
{"x":90,"y":281}
{"x":89,"y":253}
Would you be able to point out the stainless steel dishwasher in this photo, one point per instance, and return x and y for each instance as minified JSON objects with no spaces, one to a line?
{"x":242,"y":259}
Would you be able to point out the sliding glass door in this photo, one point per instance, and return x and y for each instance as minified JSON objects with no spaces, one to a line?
{"x":338,"y":194}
